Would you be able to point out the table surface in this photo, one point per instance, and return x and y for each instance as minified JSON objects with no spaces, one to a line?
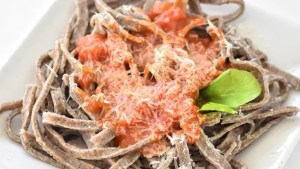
{"x":18,"y":17}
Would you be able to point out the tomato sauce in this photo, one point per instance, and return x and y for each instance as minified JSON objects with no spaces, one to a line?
{"x":149,"y":89}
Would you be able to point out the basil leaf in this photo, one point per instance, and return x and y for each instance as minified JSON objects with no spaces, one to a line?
{"x":217,"y":107}
{"x":233,"y":88}
{"x":212,"y":117}
{"x":200,"y":102}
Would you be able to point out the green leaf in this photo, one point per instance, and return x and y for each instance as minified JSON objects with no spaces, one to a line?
{"x":200,"y":102}
{"x":217,"y":107}
{"x":233,"y":88}
{"x":212,"y":117}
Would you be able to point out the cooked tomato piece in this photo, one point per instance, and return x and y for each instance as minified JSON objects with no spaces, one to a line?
{"x":91,"y":48}
{"x":158,"y":8}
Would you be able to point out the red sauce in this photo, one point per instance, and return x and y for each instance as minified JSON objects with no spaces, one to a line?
{"x":171,"y":20}
{"x":158,"y":8}
{"x":90,"y":48}
{"x":170,"y":17}
{"x":148,"y":89}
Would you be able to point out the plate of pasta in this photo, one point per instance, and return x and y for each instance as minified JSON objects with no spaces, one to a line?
{"x":152,"y":84}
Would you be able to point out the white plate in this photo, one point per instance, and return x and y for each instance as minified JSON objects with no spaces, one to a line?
{"x":274,"y":35}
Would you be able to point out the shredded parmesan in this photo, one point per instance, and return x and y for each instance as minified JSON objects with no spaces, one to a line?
{"x":51,"y":70}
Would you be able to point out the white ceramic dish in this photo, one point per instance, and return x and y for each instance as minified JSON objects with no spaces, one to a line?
{"x":274,"y":35}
